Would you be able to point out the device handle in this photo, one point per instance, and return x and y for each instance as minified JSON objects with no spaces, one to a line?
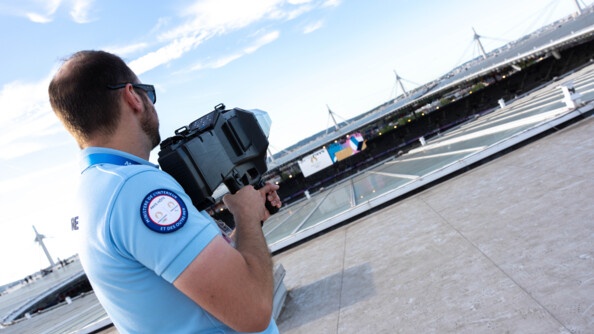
{"x":234,"y":185}
{"x":271,"y":208}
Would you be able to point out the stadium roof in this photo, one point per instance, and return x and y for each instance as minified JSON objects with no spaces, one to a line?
{"x":541,"y":43}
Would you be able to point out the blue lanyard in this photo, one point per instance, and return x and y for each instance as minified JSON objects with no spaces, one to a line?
{"x":107,"y":158}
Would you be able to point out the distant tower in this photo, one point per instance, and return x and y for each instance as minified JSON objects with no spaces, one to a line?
{"x":399,"y":82}
{"x":39,"y":238}
{"x":579,"y":8}
{"x":270,"y":155}
{"x":477,"y":38}
{"x":331,"y":113}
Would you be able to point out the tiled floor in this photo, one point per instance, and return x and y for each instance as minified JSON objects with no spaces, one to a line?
{"x":507,"y":247}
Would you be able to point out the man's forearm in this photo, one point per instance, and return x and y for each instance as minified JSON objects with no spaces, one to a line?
{"x":250,"y":242}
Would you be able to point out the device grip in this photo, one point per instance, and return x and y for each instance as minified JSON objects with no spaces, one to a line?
{"x":271,"y":208}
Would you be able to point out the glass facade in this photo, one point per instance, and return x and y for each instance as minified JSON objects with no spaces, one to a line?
{"x":442,"y":154}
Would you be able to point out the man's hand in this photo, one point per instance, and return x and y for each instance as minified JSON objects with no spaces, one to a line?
{"x":269,"y":190}
{"x":246,"y":205}
{"x":236,"y":284}
{"x":249,"y":204}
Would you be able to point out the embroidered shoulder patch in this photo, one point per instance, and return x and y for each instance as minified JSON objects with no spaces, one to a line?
{"x":163,"y":211}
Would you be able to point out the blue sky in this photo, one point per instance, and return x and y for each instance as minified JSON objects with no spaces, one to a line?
{"x":290,"y":58}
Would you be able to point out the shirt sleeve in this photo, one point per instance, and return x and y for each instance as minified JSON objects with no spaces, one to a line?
{"x":143,"y":231}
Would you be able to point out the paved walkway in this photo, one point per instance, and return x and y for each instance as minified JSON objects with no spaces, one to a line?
{"x":507,"y":247}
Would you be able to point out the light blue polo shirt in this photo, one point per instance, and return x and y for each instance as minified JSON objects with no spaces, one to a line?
{"x":139,"y":231}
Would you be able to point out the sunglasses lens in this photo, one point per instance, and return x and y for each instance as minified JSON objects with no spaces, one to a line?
{"x":150,"y":92}
{"x":152,"y":96}
{"x":149,"y":89}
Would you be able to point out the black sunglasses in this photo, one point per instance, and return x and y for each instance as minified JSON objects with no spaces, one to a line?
{"x":149,"y":89}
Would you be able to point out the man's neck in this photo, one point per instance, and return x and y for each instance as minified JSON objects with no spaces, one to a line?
{"x":128,"y":147}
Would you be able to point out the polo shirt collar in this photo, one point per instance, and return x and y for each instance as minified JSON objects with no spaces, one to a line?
{"x":100,"y":155}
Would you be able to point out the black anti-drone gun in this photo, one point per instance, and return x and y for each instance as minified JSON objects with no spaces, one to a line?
{"x":224,"y":146}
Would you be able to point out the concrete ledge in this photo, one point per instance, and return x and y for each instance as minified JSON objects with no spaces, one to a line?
{"x":280,"y":291}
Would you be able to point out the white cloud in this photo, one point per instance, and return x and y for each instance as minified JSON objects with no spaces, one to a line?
{"x":32,"y":180}
{"x":299,"y":2}
{"x":20,"y":148}
{"x":126,"y":49}
{"x":217,"y":17}
{"x":49,"y":9}
{"x":210,"y":18}
{"x":162,"y":23}
{"x":26,"y":115}
{"x":165,"y":54}
{"x":226,"y":15}
{"x":80,"y":10}
{"x":19,"y":99}
{"x":313,"y":27}
{"x":207,"y":19}
{"x":43,"y":11}
{"x":225,"y":60}
{"x":331,"y":3}
{"x":38,"y":18}
{"x":296,"y":12}
{"x":260,"y":42}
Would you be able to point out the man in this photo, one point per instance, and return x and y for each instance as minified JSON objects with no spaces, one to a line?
{"x":184,"y":278}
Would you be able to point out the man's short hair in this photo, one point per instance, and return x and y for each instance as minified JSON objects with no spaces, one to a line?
{"x":80,"y":97}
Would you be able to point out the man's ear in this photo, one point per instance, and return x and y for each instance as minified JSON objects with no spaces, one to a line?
{"x":132,"y":98}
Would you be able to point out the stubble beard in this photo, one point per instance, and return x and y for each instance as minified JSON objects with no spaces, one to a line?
{"x":150,"y":125}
